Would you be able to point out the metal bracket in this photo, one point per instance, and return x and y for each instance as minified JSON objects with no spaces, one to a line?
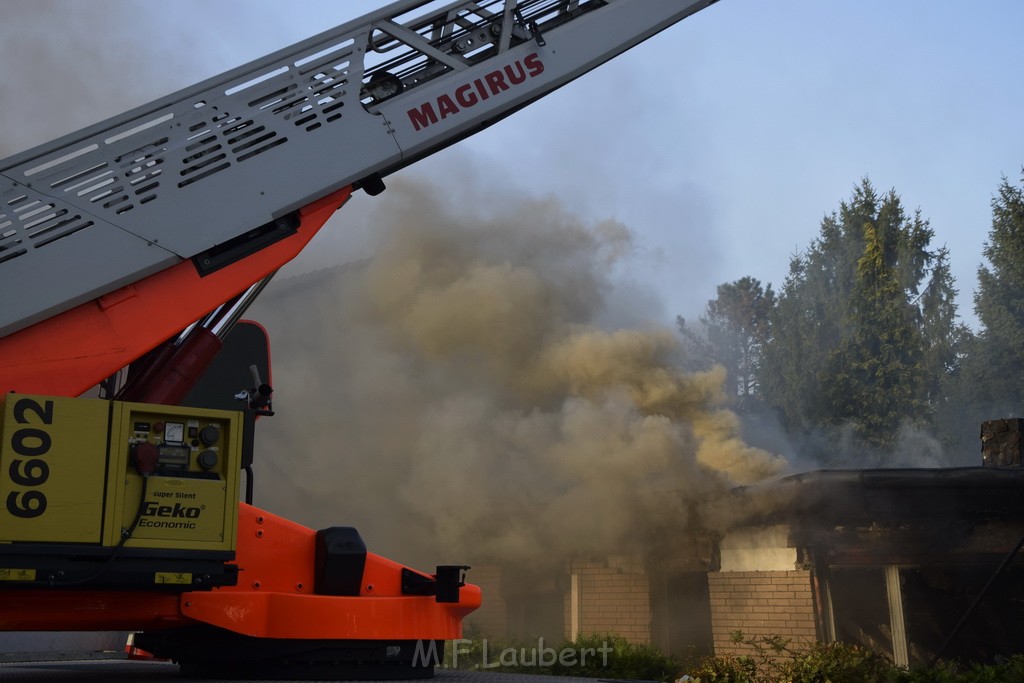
{"x":531,"y":28}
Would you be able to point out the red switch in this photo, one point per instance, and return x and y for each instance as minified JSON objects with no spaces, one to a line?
{"x":146,"y":457}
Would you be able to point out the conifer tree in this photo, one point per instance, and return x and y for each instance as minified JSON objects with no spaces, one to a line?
{"x":865,"y":325}
{"x":997,"y":361}
{"x":735,"y":324}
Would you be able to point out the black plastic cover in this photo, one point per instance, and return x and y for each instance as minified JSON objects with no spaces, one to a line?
{"x":340,"y":559}
{"x":450,"y":578}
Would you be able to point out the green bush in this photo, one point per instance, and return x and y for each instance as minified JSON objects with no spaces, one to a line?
{"x":838,"y":663}
{"x":1008,"y":671}
{"x":725,"y":669}
{"x":772,"y":659}
{"x":625,"y":660}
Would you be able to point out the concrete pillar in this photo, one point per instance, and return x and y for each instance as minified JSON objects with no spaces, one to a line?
{"x":899,"y":629}
{"x":574,"y":606}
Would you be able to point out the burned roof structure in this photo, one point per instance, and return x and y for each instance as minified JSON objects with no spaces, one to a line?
{"x":920,"y":563}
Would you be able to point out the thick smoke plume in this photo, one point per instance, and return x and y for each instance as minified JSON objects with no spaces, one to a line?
{"x":452,"y":397}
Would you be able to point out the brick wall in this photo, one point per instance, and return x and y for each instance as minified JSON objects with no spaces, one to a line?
{"x":491,"y":620}
{"x":761,"y":603}
{"x":613,"y":596}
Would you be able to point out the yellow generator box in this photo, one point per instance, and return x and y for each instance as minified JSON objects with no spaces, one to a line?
{"x":75,"y":470}
{"x":191,"y":499}
{"x":53,"y":469}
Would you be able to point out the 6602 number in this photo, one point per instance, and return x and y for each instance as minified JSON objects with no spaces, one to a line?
{"x":31,"y":470}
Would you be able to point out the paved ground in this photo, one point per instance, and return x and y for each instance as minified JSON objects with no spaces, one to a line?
{"x":123,"y":671}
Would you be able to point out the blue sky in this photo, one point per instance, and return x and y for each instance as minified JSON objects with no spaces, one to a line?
{"x":721,"y":142}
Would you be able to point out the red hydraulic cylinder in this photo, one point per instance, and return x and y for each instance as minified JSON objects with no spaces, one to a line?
{"x":172,"y":379}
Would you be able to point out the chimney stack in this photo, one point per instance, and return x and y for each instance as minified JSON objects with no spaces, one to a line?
{"x":1001,"y":442}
